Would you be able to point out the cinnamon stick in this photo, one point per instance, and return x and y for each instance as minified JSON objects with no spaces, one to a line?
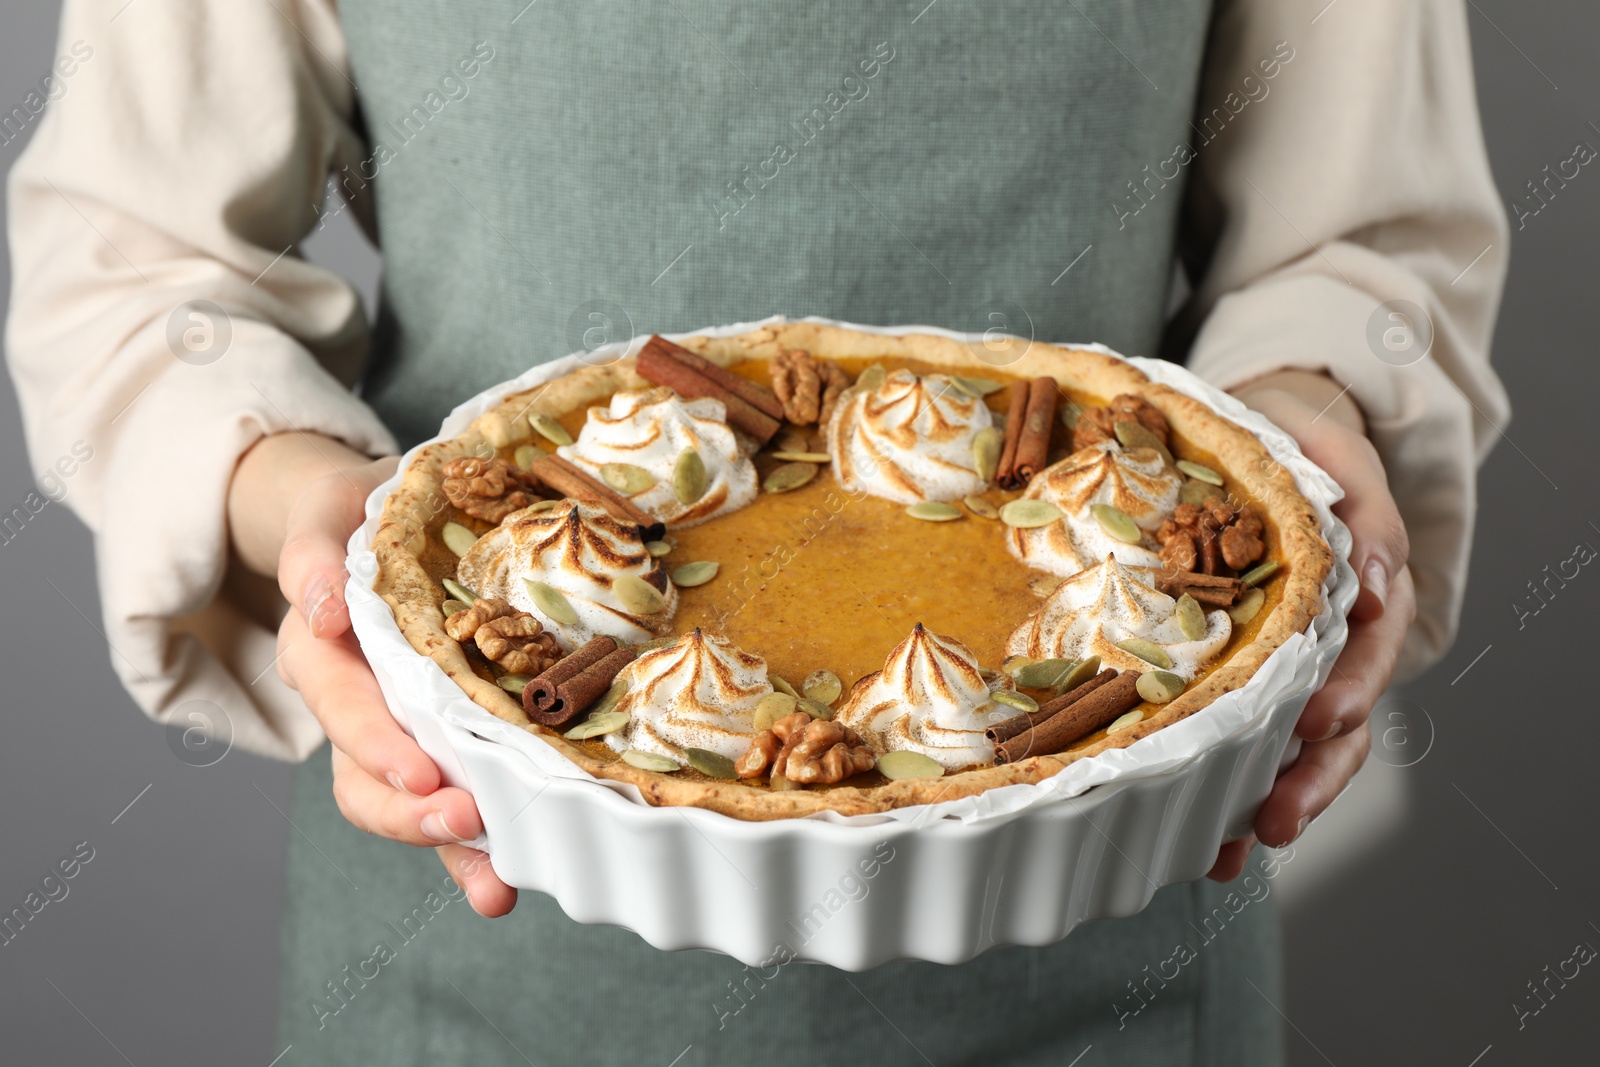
{"x":1006,"y":729}
{"x":1083,"y":717}
{"x":1213,"y":589}
{"x":658,"y":363}
{"x":1016,"y":417}
{"x":569,"y":481}
{"x":575,"y":682}
{"x":751,"y":392}
{"x":1033,"y":446}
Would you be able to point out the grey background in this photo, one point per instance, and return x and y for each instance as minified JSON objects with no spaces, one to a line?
{"x":1416,"y":912}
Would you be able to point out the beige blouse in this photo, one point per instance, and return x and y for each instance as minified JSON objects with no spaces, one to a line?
{"x":186,"y":155}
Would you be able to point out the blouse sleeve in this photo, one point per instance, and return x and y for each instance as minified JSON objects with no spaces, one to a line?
{"x":162,"y":322}
{"x":1342,"y":218}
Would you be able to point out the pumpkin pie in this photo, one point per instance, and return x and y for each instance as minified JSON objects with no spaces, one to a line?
{"x":810,"y":568}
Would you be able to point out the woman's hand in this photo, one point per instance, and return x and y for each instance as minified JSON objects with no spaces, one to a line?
{"x":1333,"y":726}
{"x":294,"y":501}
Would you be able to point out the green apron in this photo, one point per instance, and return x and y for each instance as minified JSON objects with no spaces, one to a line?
{"x":554,"y":176}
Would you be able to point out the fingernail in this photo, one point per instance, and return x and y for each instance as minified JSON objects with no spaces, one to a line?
{"x":1333,"y":731}
{"x":318,"y":603}
{"x":398,"y":782}
{"x":1300,"y":829}
{"x":434,"y":828}
{"x":1376,"y":579}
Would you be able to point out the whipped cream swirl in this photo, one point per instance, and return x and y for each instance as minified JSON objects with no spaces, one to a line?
{"x":1107,"y":603}
{"x":699,"y":692}
{"x":580,"y":550}
{"x":650,"y":429}
{"x":930,"y":698}
{"x":1137,"y":482}
{"x":909,"y":440}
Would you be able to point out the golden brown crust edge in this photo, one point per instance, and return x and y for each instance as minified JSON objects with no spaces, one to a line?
{"x":417,"y":504}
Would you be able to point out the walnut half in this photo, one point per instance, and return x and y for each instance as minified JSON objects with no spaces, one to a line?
{"x":807,"y":386}
{"x":513,"y":639}
{"x":1212,"y":536}
{"x":489,"y":489}
{"x":806,"y":750}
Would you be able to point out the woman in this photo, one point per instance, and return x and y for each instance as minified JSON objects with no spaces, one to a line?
{"x":546,"y":177}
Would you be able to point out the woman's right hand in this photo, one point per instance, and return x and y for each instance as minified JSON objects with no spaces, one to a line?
{"x":300,"y":497}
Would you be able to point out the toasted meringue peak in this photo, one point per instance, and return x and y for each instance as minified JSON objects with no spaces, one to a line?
{"x":909,"y":440}
{"x":579,"y":550}
{"x":930,"y":698}
{"x":1137,"y":482}
{"x":650,"y":429}
{"x":1091,"y":611}
{"x":699,"y":692}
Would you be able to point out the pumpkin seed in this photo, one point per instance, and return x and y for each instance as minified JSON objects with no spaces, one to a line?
{"x":792,"y":441}
{"x":1137,"y":435}
{"x":822,"y":685}
{"x":789,"y":476}
{"x":933,"y":511}
{"x":457,"y":538}
{"x":1019,"y":701}
{"x":1070,"y":413}
{"x":772,"y":707}
{"x":525,"y":455}
{"x":549,"y":428}
{"x":552,"y":602}
{"x":625,"y":478}
{"x":1148,"y":651}
{"x":606,"y":722}
{"x":514,"y":683}
{"x":539,"y":506}
{"x":904,"y":763}
{"x":872,"y":378}
{"x":459,"y":591}
{"x":450,"y":607}
{"x":803,"y":457}
{"x":780,"y":784}
{"x":783,"y":687}
{"x":1079,"y":674}
{"x":1199,"y":473}
{"x":1247,"y":607}
{"x":1132,"y":718}
{"x":655,"y":644}
{"x":1043,"y":674}
{"x":610,"y":699}
{"x":1193,"y":491}
{"x":1191,"y":617}
{"x":710,"y":764}
{"x":1117,"y":523}
{"x":658,"y":548}
{"x":986,"y":446}
{"x":815,"y":708}
{"x":699,"y":572}
{"x":1258,"y":574}
{"x":638,"y":596}
{"x":978,"y":387}
{"x":1158,"y":687}
{"x":650,"y":761}
{"x":689,"y":482}
{"x":1044,"y":584}
{"x":1027,"y":514}
{"x":981,"y":507}
{"x":1010,"y":664}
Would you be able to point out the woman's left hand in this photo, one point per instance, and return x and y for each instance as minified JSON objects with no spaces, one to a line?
{"x":1333,"y":726}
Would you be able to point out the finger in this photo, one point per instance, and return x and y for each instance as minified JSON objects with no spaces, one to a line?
{"x":1305,"y":790}
{"x":445,"y":816}
{"x":1362,"y":671}
{"x":337,"y":685}
{"x":1380,"y":546}
{"x":488,"y":895}
{"x":311,"y":566}
{"x":1231,"y":858}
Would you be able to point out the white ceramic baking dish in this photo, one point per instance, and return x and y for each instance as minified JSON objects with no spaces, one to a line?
{"x":943,"y":882}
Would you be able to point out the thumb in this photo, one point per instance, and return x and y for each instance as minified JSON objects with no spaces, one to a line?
{"x":311,"y":571}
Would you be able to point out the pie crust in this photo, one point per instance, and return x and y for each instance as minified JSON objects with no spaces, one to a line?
{"x":414,"y":514}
